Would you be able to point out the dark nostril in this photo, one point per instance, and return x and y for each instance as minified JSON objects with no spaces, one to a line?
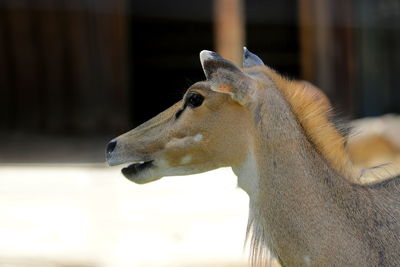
{"x":111,"y":146}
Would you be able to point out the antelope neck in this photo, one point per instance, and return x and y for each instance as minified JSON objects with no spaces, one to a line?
{"x":291,"y":186}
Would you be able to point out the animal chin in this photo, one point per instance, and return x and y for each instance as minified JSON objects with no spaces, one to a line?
{"x":136,"y":171}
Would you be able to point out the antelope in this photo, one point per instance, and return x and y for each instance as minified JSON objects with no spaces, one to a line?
{"x":278,"y":138}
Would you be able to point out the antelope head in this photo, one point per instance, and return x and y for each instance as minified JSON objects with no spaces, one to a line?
{"x":209,"y":128}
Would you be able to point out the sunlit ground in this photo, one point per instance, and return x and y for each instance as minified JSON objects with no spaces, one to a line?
{"x":90,"y":215}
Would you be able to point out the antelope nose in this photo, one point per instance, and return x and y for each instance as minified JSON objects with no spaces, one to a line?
{"x":110,"y":148}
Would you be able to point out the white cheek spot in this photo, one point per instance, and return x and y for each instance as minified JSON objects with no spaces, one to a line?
{"x":198,"y":137}
{"x":307,"y":260}
{"x":186,"y":159}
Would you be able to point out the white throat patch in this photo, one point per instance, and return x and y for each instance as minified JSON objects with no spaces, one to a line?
{"x":248,"y":175}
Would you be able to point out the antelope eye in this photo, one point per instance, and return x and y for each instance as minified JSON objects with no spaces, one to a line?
{"x":194,"y":100}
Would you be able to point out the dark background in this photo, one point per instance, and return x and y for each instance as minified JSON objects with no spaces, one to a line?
{"x":75,"y":73}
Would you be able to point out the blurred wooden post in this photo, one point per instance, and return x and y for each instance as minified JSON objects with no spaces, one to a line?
{"x":229,"y":29}
{"x":326,"y":48}
{"x":307,"y":40}
{"x":315,"y":31}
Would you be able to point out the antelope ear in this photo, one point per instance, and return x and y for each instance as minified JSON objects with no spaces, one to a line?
{"x":226,"y":77}
{"x":212,"y":62}
{"x":250,"y":59}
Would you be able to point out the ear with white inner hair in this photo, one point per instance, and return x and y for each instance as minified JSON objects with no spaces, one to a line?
{"x":250,"y":59}
{"x":226,"y":77}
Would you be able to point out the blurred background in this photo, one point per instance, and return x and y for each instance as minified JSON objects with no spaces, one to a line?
{"x":76,"y":73}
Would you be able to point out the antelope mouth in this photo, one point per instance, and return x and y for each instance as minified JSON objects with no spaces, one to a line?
{"x":136,"y":168}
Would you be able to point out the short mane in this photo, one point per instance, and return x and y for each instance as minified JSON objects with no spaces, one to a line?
{"x":313,"y":110}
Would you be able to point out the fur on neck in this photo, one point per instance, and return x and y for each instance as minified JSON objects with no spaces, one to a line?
{"x":257,"y":238}
{"x":313,"y":111}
